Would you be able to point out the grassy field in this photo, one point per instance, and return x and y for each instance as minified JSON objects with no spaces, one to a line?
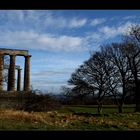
{"x":71,"y":118}
{"x":92,"y":109}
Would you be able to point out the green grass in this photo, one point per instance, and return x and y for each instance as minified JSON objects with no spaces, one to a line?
{"x":93,"y":109}
{"x":71,"y":118}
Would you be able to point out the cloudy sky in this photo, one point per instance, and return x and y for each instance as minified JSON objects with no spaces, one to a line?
{"x":60,"y":40}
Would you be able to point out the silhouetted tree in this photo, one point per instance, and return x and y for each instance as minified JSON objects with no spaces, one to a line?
{"x":132,"y":41}
{"x":111,"y":69}
{"x":92,"y":77}
{"x":117,"y":57}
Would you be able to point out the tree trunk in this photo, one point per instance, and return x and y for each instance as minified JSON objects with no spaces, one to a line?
{"x":137,"y":92}
{"x":99,"y":108}
{"x":120,"y":108}
{"x":121,"y":102}
{"x":138,"y":97}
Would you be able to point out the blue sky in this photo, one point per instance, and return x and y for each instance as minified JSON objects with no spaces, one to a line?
{"x":60,"y":40}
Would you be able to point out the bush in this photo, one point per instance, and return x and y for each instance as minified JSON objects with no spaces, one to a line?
{"x":37,"y":103}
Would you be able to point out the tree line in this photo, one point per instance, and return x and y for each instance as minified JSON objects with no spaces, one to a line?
{"x":113,"y":71}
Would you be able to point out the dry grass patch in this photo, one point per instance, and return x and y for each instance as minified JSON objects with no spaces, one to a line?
{"x":58,"y":120}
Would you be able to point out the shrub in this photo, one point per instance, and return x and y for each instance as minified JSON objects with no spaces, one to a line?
{"x":39,"y":102}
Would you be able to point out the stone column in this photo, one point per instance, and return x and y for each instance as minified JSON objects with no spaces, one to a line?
{"x":11,"y":74}
{"x":27,"y":73}
{"x":19,"y":80}
{"x":1,"y":71}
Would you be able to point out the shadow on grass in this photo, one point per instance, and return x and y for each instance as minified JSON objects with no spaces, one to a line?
{"x":85,"y":114}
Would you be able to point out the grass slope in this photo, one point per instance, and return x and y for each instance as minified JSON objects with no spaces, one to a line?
{"x":69,"y":118}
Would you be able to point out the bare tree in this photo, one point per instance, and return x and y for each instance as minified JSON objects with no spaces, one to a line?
{"x":132,"y":41}
{"x":91,"y":77}
{"x":111,"y":69}
{"x":105,"y":73}
{"x":117,"y":57}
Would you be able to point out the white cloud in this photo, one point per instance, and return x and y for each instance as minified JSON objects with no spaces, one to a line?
{"x":61,"y":22}
{"x":54,"y":72}
{"x":38,"y":20}
{"x":77,"y":22}
{"x":130,"y":17}
{"x":60,"y":67}
{"x":51,"y":73}
{"x":104,"y":33}
{"x":110,"y":32}
{"x":51,"y":86}
{"x":97,"y":21}
{"x":66,"y":43}
{"x":34,"y":40}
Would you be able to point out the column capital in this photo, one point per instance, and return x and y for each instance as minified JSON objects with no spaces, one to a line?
{"x":28,"y":56}
{"x":14,"y":55}
{"x":19,"y":69}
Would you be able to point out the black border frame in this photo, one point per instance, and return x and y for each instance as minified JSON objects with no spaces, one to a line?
{"x":68,"y":5}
